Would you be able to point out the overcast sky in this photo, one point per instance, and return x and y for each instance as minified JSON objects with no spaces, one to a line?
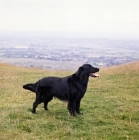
{"x":120,"y":17}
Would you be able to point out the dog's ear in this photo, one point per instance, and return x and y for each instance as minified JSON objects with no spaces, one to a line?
{"x":79,"y":71}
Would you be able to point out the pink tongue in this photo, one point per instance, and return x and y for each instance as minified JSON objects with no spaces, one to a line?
{"x":95,"y":75}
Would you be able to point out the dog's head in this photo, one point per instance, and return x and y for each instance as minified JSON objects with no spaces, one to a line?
{"x":88,"y":70}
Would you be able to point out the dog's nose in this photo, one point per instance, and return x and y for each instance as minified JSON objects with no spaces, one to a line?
{"x":97,"y":69}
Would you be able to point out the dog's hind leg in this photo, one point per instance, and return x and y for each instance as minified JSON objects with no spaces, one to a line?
{"x":38,"y":100}
{"x":35,"y":104}
{"x":69,"y":107}
{"x":48,"y":99}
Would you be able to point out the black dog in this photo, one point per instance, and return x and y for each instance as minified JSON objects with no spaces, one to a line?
{"x":71,"y":88}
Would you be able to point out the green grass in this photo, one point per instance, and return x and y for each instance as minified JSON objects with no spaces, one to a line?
{"x":110,"y":107}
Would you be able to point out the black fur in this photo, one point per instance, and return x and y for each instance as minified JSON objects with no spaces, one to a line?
{"x":71,"y":89}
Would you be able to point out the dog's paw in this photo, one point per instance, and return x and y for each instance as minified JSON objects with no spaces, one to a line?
{"x":73,"y":114}
{"x":34,"y":112}
{"x":79,"y":113}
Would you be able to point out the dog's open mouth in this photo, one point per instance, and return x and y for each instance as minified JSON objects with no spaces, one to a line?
{"x":94,"y":75}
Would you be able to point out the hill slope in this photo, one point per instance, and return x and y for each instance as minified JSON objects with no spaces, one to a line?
{"x":110,"y":106}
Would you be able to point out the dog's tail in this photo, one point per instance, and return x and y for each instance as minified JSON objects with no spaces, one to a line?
{"x":30,"y":87}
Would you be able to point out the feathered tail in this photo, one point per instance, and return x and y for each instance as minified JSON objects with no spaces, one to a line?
{"x":30,"y":87}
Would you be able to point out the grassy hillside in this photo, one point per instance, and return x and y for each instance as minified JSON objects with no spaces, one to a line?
{"x":110,"y":107}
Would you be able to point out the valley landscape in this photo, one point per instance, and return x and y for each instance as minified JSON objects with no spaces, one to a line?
{"x":66,"y":53}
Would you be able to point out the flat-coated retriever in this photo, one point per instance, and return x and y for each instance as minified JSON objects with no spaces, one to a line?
{"x":71,"y":88}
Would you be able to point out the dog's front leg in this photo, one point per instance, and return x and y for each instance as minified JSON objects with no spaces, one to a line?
{"x":72,"y":107}
{"x":78,"y":107}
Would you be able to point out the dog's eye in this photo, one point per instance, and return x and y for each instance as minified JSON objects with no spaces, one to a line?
{"x":90,"y":66}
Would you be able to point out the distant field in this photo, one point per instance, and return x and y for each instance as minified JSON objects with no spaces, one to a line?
{"x":110,"y":107}
{"x":62,"y":53}
{"x":42,"y":63}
